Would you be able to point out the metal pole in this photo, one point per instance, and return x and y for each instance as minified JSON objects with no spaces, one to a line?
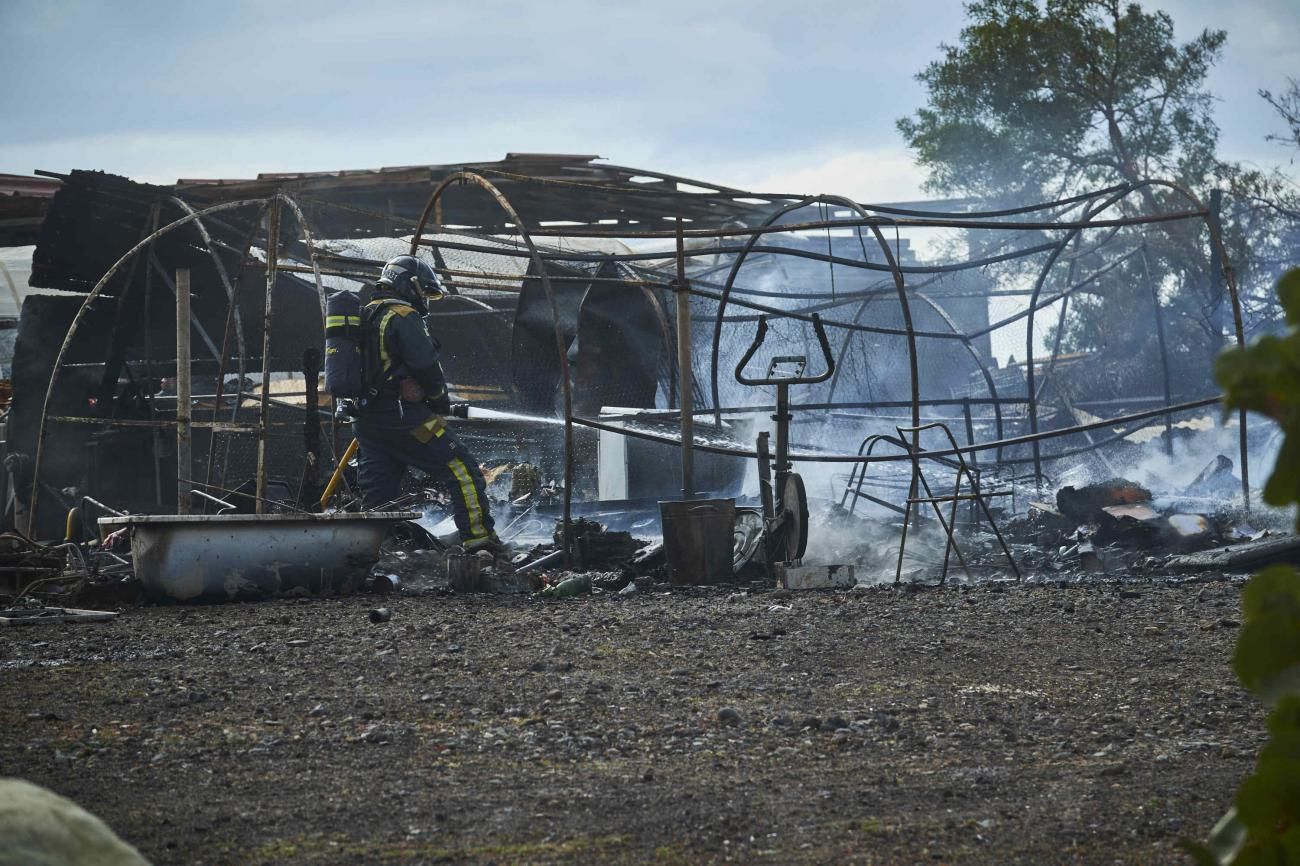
{"x":184,"y":432}
{"x":1164,"y":352}
{"x":155,"y":435}
{"x":686,"y":387}
{"x":1222,"y":273}
{"x":765,"y":477}
{"x":233,"y":321}
{"x":973,"y":474}
{"x":272,"y":256}
{"x":782,"y":419}
{"x":311,"y":424}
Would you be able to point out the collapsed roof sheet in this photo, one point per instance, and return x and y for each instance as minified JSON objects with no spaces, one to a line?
{"x":23,"y":203}
{"x":544,"y":188}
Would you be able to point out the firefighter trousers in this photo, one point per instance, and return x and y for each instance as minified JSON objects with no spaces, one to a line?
{"x":386,"y":452}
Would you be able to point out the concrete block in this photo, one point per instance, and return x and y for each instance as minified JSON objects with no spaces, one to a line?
{"x":814,"y":576}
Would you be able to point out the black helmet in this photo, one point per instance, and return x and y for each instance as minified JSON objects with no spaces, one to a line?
{"x":412,"y":280}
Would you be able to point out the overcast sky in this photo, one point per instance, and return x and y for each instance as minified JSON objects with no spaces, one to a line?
{"x":774,"y":96}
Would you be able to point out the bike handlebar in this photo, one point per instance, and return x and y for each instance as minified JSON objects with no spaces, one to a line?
{"x":800,"y":380}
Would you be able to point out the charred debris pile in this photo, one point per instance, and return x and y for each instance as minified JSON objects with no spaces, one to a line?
{"x":1119,"y":528}
{"x":797,"y":383}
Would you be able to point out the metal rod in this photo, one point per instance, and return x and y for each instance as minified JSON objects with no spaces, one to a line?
{"x":219,"y":426}
{"x":310,"y":241}
{"x":219,"y":264}
{"x":272,"y":254}
{"x":970,"y":440}
{"x":858,"y":494}
{"x":155,"y":436}
{"x":95,"y":502}
{"x":1164,"y":352}
{"x":209,"y":497}
{"x":959,"y":497}
{"x":1031,"y":391}
{"x":873,"y":221}
{"x":198,"y":326}
{"x":184,"y":433}
{"x":260,"y":501}
{"x":765,"y":493}
{"x":978,"y":497}
{"x":935,"y":501}
{"x":234,"y":319}
{"x":311,"y":423}
{"x":685,"y":387}
{"x":782,"y":418}
{"x":548,"y":559}
{"x":929,"y":455}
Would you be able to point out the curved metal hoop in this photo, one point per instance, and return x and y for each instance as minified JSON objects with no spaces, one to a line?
{"x":1229,"y":279}
{"x":893,"y":269}
{"x":462,"y":177}
{"x":81,"y":314}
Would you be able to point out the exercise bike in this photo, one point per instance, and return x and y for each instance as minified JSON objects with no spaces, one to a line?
{"x":785,"y":505}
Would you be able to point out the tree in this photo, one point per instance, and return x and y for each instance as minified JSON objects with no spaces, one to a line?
{"x":1036,"y":103}
{"x":1287,"y":105}
{"x":1041,"y":100}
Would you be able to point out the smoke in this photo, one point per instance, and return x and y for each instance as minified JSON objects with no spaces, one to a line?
{"x":1171,"y":473}
{"x":869,"y":538}
{"x":1168,"y":475}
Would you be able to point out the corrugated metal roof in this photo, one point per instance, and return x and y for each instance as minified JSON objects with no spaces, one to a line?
{"x":541,"y":165}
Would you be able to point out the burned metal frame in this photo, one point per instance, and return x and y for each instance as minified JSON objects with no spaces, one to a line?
{"x":728,"y":451}
{"x":270,"y":209}
{"x":1091,"y":219}
{"x":871,"y":218}
{"x":1073,"y":229}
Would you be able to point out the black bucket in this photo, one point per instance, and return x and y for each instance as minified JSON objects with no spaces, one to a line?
{"x":699,"y":539}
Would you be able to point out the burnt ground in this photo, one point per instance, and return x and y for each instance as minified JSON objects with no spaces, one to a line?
{"x":1040,"y":724}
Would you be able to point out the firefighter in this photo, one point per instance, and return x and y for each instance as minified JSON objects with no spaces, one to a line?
{"x":401,"y":423}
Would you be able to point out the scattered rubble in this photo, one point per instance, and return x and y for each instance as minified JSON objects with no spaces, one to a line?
{"x":594,"y":547}
{"x":1119,"y":528}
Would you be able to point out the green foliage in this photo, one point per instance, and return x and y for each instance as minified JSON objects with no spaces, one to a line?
{"x":1036,"y":101}
{"x":1267,"y":660}
{"x":1263,"y":827}
{"x":1264,"y":377}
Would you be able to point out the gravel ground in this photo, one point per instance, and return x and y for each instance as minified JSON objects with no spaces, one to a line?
{"x":1035,"y":724}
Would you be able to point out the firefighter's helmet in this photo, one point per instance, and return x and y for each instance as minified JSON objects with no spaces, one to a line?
{"x":412,"y":280}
